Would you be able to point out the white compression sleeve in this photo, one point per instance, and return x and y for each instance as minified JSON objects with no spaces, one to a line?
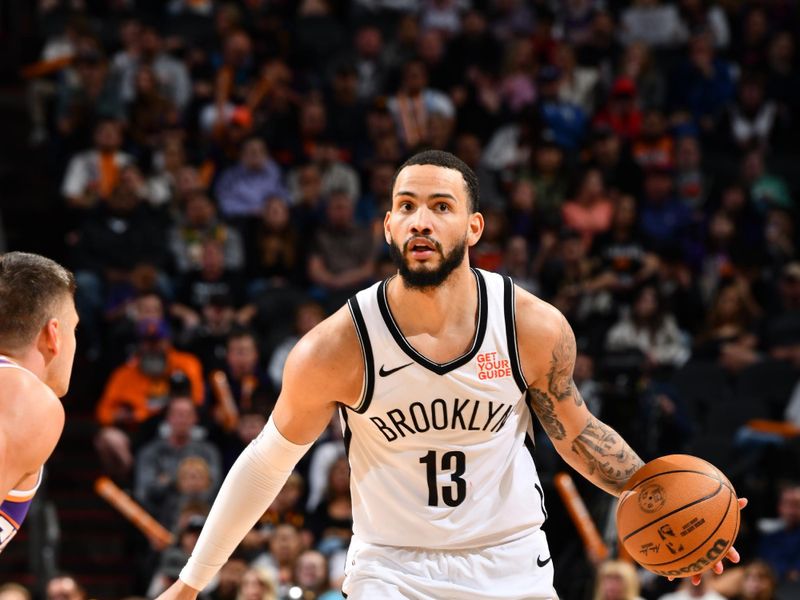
{"x":249,"y":488}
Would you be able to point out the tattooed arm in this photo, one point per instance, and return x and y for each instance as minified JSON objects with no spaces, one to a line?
{"x":547,"y":353}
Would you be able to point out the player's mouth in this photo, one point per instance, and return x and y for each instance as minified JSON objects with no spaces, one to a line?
{"x":421,"y":248}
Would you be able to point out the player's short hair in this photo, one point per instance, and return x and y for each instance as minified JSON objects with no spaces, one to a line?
{"x":439,"y":158}
{"x":31,"y":288}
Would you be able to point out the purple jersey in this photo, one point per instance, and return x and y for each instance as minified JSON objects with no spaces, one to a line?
{"x":13,"y":510}
{"x":15,"y":505}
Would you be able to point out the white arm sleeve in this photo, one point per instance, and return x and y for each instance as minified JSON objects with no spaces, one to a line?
{"x":249,"y":488}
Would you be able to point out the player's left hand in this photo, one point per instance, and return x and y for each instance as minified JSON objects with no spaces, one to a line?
{"x":732,"y":555}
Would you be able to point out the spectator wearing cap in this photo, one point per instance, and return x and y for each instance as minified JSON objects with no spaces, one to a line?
{"x":566,"y":120}
{"x":622,"y":112}
{"x":414,"y":103}
{"x":158,"y":480}
{"x":138,"y":390}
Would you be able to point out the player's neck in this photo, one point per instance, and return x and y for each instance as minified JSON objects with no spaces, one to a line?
{"x":28,"y":358}
{"x":430,"y":310}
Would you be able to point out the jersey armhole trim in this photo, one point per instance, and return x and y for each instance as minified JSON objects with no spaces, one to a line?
{"x":366,"y":353}
{"x":25,"y":495}
{"x":511,"y":334}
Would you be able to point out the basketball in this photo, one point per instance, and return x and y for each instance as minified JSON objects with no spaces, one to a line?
{"x":678,"y":516}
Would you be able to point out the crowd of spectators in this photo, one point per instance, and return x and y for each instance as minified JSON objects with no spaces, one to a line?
{"x":226,"y":167}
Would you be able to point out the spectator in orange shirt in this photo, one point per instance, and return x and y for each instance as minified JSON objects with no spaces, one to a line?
{"x":138,"y":390}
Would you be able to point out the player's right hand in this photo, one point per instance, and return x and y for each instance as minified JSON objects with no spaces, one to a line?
{"x":179,"y":591}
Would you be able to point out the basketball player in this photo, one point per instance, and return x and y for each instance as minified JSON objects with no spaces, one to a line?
{"x":37,"y":346}
{"x":436,"y":374}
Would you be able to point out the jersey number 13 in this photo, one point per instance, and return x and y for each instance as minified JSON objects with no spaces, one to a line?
{"x":455,"y":461}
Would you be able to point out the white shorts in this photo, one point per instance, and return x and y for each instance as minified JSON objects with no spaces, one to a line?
{"x":517,"y":570}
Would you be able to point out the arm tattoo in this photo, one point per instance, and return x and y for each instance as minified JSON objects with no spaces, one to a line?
{"x":543,"y":406}
{"x":559,"y":378}
{"x":606,"y":453}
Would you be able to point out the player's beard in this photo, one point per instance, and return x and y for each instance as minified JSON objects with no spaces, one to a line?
{"x":425,"y":278}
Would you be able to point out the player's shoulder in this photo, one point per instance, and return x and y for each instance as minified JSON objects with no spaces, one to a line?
{"x":542,"y":334}
{"x":20,"y":388}
{"x":330,"y":356}
{"x":31,"y":415}
{"x":536,"y":317}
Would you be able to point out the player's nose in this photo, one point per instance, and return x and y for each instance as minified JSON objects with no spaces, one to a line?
{"x":422,"y":223}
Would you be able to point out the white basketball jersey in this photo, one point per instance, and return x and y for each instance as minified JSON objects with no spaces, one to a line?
{"x":441,"y":455}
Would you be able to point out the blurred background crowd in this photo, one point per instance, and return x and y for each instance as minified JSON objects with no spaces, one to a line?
{"x":216,"y":173}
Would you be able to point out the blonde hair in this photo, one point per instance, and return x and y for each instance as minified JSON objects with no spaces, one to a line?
{"x":266,"y":578}
{"x":622,"y":569}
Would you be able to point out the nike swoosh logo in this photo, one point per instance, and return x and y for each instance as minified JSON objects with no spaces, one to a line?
{"x":541,"y":562}
{"x":385,"y":373}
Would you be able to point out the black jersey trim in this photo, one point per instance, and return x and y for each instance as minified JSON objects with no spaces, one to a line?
{"x":511,"y":333}
{"x":541,"y":499}
{"x":438,"y":368}
{"x":347,"y":433}
{"x":366,"y":352}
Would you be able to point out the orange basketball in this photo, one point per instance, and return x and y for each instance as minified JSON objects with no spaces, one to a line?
{"x":678,"y":516}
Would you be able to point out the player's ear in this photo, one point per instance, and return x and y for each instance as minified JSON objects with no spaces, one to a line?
{"x":386,"y":233}
{"x":475,"y":229}
{"x":50,"y":339}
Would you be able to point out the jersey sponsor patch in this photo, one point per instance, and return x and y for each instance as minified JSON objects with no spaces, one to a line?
{"x":493,"y":366}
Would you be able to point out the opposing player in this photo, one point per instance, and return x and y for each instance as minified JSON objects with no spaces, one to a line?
{"x":37,"y":347}
{"x":436,"y":373}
